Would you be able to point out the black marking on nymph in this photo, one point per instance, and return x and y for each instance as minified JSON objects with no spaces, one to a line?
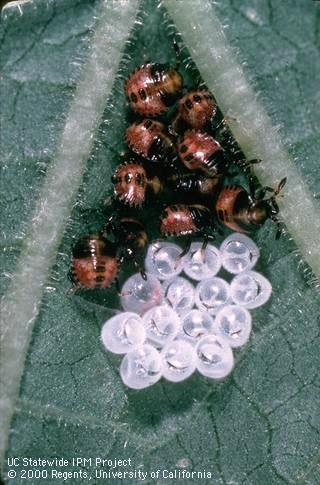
{"x":189,"y":157}
{"x":100,"y":269}
{"x":142,"y":94}
{"x":99,"y":279}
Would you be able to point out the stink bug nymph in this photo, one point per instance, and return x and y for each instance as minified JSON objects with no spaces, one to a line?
{"x":187,"y":220}
{"x":243,"y":212}
{"x":150,"y":140}
{"x":132,"y":184}
{"x":183,"y":220}
{"x":94,"y":262}
{"x":152,"y":88}
{"x":199,"y":151}
{"x":195,"y":110}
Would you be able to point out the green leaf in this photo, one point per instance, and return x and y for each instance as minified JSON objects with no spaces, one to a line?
{"x":262,"y":424}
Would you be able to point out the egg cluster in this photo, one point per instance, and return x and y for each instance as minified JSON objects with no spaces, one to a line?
{"x":173,"y":325}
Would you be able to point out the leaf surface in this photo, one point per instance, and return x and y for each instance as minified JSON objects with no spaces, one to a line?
{"x":262,"y":424}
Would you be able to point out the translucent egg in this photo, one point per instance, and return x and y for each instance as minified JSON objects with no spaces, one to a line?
{"x":163,"y":260}
{"x":179,"y":294}
{"x":238,"y":253}
{"x":179,"y":360}
{"x":123,"y":332}
{"x":250,"y":289}
{"x":162,"y":325}
{"x":199,"y":263}
{"x":142,"y":367}
{"x":214,"y":357}
{"x":138,"y":295}
{"x":196,"y":324}
{"x":233,"y":323}
{"x":211,"y":294}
